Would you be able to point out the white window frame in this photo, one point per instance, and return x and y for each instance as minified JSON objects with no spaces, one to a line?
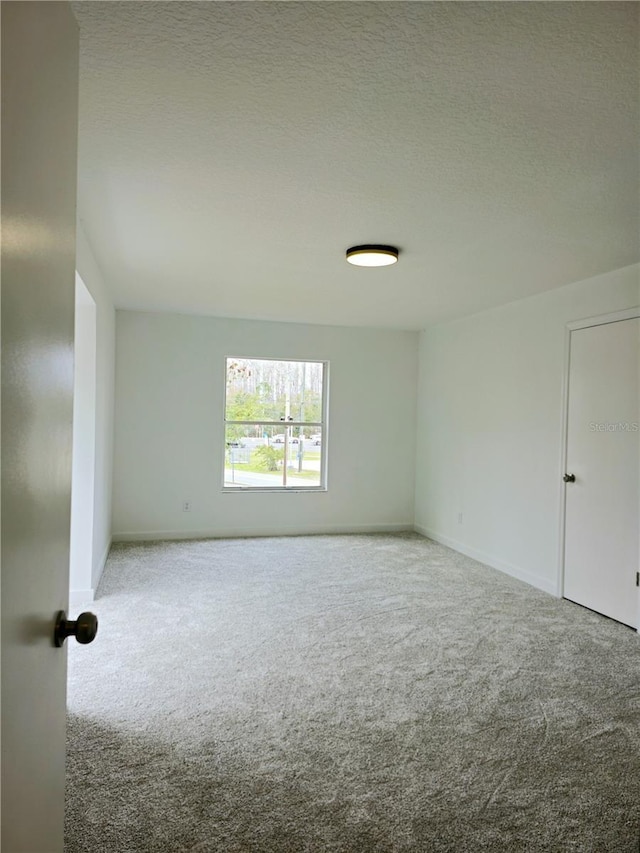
{"x":282,"y":425}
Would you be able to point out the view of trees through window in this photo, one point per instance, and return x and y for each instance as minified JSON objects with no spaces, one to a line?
{"x":274,"y":424}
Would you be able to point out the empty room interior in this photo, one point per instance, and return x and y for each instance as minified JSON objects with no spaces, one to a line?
{"x":355,"y":487}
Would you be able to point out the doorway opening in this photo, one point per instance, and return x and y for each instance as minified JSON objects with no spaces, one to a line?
{"x":84,"y":448}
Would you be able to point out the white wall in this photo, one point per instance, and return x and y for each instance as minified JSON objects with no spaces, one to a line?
{"x":105,"y":366}
{"x":490,"y":426}
{"x":84,"y":447}
{"x":169,"y":428}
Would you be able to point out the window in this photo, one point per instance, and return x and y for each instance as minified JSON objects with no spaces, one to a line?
{"x":275,"y":424}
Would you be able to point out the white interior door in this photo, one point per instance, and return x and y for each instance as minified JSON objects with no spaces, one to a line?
{"x":602,"y":505}
{"x":39,"y":133}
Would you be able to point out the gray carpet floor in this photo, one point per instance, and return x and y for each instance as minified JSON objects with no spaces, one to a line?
{"x":346,"y":693}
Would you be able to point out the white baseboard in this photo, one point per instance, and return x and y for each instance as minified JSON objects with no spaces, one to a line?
{"x":489,"y":560}
{"x":251,"y":532}
{"x":78,"y":597}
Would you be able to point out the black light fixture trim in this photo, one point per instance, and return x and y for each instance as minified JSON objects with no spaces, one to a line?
{"x":389,"y":254}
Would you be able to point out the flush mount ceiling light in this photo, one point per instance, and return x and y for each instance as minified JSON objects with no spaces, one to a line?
{"x":372,"y":256}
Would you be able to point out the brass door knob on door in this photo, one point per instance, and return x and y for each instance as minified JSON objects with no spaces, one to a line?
{"x":569,"y":478}
{"x":84,"y":628}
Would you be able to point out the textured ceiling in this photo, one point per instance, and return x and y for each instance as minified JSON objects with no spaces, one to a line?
{"x":231,"y":152}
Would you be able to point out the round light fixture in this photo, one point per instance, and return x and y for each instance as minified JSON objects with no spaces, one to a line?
{"x":372,"y":256}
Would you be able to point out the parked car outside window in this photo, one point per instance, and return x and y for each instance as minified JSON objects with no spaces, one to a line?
{"x":294,"y":439}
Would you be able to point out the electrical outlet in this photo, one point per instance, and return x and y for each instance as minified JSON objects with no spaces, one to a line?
{"x":186,"y":506}
{"x":459,"y":518}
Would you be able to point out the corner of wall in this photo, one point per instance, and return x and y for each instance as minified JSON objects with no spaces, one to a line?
{"x":98,"y":568}
{"x":94,"y":279}
{"x":489,"y":560}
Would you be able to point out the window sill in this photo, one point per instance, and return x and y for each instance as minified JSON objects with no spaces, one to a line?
{"x":231,"y":490}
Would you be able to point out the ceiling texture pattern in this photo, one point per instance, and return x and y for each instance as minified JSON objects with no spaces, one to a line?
{"x":230,"y":152}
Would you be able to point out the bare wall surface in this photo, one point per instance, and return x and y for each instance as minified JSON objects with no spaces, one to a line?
{"x":169,"y":428}
{"x":83,"y":485}
{"x":488,"y":470}
{"x":105,"y":366}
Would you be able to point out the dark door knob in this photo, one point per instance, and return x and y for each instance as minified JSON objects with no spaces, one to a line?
{"x":84,"y":629}
{"x":569,"y":478}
